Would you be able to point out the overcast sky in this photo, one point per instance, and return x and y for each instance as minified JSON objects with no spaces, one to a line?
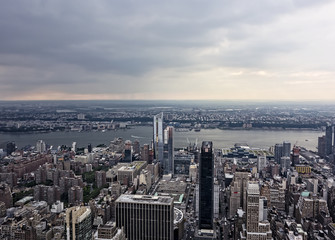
{"x":75,"y":49}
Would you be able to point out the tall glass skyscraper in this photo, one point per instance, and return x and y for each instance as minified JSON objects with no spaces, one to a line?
{"x":158,"y":137}
{"x":168,"y":164}
{"x":329,"y":140}
{"x":206,"y":186}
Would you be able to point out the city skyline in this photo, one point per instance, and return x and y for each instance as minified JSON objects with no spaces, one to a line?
{"x":161,"y":51}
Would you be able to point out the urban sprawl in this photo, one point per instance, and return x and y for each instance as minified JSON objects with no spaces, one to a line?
{"x":125,"y":190}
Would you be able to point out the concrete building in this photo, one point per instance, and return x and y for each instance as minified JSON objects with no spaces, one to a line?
{"x":40,"y":146}
{"x":100,"y":178}
{"x":193,"y":172}
{"x":110,"y":231}
{"x":261,"y":163}
{"x":50,"y":194}
{"x":145,"y":217}
{"x":237,"y":196}
{"x":145,"y":153}
{"x":75,"y":195}
{"x":6,"y":195}
{"x":257,"y":225}
{"x":128,"y":172}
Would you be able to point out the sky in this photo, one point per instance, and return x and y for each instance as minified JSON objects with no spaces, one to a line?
{"x":180,"y":50}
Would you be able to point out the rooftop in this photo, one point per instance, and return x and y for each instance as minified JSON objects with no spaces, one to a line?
{"x":145,"y":199}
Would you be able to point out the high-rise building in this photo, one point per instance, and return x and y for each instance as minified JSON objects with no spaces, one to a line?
{"x":78,"y":223}
{"x":6,"y":195}
{"x":237,"y":198}
{"x":75,"y":195}
{"x":286,"y":149}
{"x":295,"y":156}
{"x":322,"y":146}
{"x":206,"y":186}
{"x":278,"y":152}
{"x":252,"y":206}
{"x":145,"y":217}
{"x":168,"y":150}
{"x":257,"y":225}
{"x":100,"y":178}
{"x":145,"y":153}
{"x":158,"y":137}
{"x":40,"y":146}
{"x":136,"y":147}
{"x":182,"y":161}
{"x":74,"y":147}
{"x":329,"y":139}
{"x":128,"y":152}
{"x":10,"y":147}
{"x":261,"y":163}
{"x":285,"y":163}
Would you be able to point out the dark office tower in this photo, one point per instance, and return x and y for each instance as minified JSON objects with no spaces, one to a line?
{"x":145,"y":217}
{"x":89,"y":148}
{"x":158,"y":143}
{"x":145,"y":153}
{"x":278,"y":152}
{"x":322,"y":146}
{"x":136,"y":146}
{"x":168,"y":150}
{"x":206,"y":186}
{"x":286,"y":149}
{"x":329,"y":139}
{"x":128,"y":152}
{"x":10,"y":147}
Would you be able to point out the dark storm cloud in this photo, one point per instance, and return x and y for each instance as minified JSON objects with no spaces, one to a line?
{"x":56,"y":43}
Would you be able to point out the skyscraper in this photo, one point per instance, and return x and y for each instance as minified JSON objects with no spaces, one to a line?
{"x":128,"y":152}
{"x":257,"y":225}
{"x":295,"y":156}
{"x":10,"y":147}
{"x":145,"y":153}
{"x":261,"y":163}
{"x":206,"y":185}
{"x":79,"y":223}
{"x":286,"y":149}
{"x":145,"y":217}
{"x":168,"y":150}
{"x":40,"y":146}
{"x":329,"y":140}
{"x":158,"y":137}
{"x":322,"y":146}
{"x":278,"y":152}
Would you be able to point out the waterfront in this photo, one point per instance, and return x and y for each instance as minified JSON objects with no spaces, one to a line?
{"x":221,"y":138}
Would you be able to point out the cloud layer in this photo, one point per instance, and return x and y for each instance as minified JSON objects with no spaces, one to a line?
{"x":167,"y":50}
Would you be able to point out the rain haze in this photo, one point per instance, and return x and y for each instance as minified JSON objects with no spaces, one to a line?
{"x":182,"y":50}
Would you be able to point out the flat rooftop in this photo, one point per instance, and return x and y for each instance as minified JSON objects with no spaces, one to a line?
{"x":159,"y":200}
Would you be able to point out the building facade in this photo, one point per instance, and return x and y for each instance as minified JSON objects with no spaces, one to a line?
{"x":158,"y":137}
{"x":206,"y":186}
{"x":145,"y":217}
{"x":79,"y":223}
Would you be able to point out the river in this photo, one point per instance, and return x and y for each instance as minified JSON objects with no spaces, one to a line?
{"x":221,"y":138}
